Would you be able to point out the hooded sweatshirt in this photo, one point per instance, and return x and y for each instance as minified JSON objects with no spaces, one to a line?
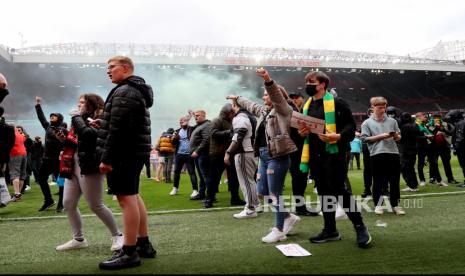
{"x":127,"y":111}
{"x":53,"y":146}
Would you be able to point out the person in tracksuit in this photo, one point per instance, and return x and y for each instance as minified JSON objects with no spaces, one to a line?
{"x":242,"y":144}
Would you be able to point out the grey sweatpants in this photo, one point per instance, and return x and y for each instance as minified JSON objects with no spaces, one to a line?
{"x":246,"y":168}
{"x":91,"y":186}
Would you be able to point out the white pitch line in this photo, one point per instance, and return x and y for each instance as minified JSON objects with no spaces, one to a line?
{"x":210,"y":209}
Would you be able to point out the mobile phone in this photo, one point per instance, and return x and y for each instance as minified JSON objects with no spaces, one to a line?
{"x":392,"y":133}
{"x":90,"y":120}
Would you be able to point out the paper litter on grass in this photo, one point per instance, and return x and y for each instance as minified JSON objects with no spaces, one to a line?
{"x":293,"y":250}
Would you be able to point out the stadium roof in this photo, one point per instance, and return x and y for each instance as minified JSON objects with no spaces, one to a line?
{"x":224,"y":55}
{"x":450,"y":50}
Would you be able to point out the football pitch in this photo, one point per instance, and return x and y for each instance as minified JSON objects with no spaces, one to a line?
{"x":191,"y":240}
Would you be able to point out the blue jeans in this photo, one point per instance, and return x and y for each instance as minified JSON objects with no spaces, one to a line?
{"x":202,"y":162}
{"x":270,"y":180}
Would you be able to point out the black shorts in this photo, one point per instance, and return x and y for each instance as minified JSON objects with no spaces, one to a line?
{"x":124,"y":178}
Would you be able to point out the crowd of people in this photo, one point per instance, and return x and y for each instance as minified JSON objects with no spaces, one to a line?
{"x":250,"y":144}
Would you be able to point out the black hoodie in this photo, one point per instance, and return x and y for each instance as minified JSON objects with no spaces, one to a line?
{"x":53,"y":146}
{"x":126,"y":110}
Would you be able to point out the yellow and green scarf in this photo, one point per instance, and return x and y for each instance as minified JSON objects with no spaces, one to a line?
{"x":330,"y":126}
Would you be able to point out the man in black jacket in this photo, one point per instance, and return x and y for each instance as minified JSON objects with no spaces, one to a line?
{"x":7,"y":141}
{"x":220,"y":138}
{"x":199,"y":148}
{"x":458,"y":142}
{"x":327,"y":157}
{"x":124,"y":143}
{"x":53,"y":147}
{"x":408,"y":149}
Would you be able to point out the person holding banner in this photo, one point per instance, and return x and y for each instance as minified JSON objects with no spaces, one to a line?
{"x":324,"y":154}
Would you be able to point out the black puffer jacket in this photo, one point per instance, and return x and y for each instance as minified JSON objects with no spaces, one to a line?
{"x":89,"y":159}
{"x":53,"y":146}
{"x":126,"y":110}
{"x":7,"y":141}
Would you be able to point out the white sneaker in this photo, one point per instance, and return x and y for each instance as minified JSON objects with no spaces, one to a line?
{"x":443,"y":184}
{"x":194,"y":193}
{"x":28,"y":187}
{"x":174,"y":191}
{"x":379,"y":210}
{"x":259,"y":208}
{"x":246,"y":213}
{"x":422,"y":183}
{"x":408,"y":189}
{"x":289,"y":223}
{"x":72,"y":244}
{"x":274,"y":236}
{"x":399,"y":211}
{"x":117,"y":242}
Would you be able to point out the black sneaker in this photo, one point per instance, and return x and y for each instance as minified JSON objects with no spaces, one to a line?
{"x":198,"y":197}
{"x":305,"y":212}
{"x":207,"y":204}
{"x":146,"y":250}
{"x":60,"y":209}
{"x":366,"y":194}
{"x":461,"y":185}
{"x":325,"y":236}
{"x":120,"y":260}
{"x":47,"y":205}
{"x":453,"y":181}
{"x":363,"y":236}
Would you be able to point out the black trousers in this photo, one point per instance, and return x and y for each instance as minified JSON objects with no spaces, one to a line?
{"x":367,"y":173}
{"x":444,"y":153}
{"x":422,"y":154}
{"x":355,"y":155}
{"x":179,"y":161}
{"x":461,"y":158}
{"x":386,"y":171}
{"x":148,"y":167}
{"x":299,"y":180}
{"x":329,"y":172}
{"x":48,"y":167}
{"x":407,"y":168}
{"x":217,"y":167}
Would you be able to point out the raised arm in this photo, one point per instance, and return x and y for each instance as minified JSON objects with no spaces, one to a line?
{"x":274,"y":92}
{"x":40,"y":113}
{"x":254,"y":108}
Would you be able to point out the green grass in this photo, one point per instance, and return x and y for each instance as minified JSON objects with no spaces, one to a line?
{"x":156,"y":196}
{"x":428,"y":240}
